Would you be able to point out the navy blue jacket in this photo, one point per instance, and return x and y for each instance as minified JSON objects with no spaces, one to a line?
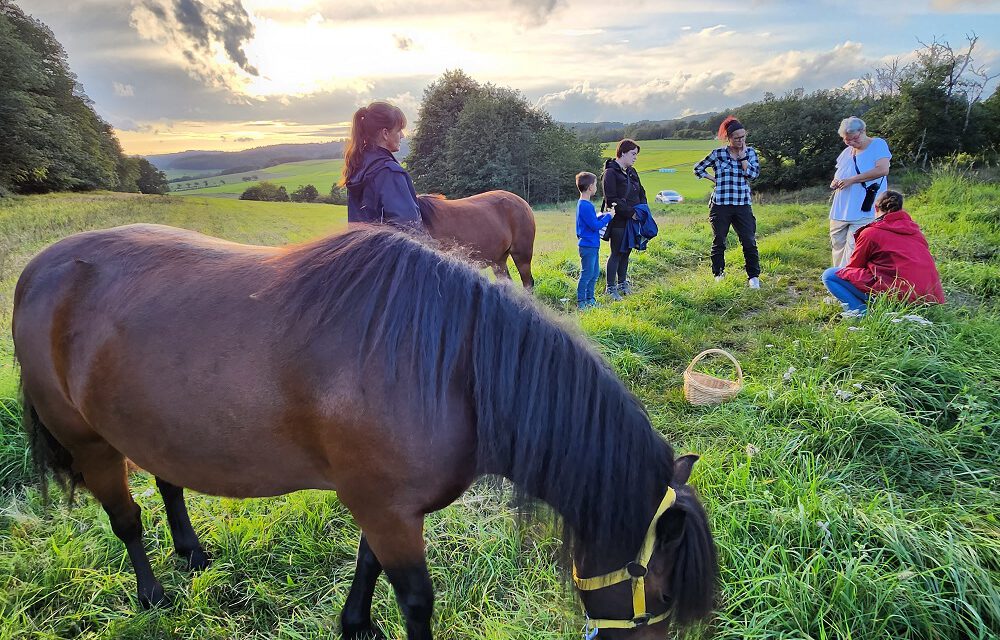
{"x":639,"y":232}
{"x":381,"y":192}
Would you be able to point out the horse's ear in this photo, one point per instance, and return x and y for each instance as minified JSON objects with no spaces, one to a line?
{"x":670,"y":526}
{"x":682,"y":469}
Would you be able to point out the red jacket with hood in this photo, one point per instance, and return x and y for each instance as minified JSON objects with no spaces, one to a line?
{"x":892,"y":254}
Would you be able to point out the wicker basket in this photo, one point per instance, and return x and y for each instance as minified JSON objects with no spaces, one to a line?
{"x":702,"y":389}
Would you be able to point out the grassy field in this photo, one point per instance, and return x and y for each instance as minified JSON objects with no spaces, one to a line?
{"x":655,"y":154}
{"x":173,"y":174}
{"x":681,"y":155}
{"x":852,"y":487}
{"x":322,"y":174}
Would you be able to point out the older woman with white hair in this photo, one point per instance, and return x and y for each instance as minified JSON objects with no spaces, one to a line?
{"x":861,"y":175}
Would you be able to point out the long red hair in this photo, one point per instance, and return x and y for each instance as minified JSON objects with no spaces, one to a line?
{"x":365,"y":125}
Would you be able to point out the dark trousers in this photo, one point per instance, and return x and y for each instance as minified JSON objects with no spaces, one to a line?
{"x":618,"y":260}
{"x":740,"y":217}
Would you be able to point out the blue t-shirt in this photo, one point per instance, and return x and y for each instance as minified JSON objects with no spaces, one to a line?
{"x":589,"y":224}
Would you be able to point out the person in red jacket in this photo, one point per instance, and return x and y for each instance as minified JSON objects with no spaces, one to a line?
{"x":890,"y":255}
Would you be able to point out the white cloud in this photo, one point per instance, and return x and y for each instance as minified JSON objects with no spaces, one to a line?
{"x":972,"y":6}
{"x":712,"y":85}
{"x":123,"y":90}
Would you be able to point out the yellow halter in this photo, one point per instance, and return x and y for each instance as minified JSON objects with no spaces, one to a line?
{"x":635,"y":571}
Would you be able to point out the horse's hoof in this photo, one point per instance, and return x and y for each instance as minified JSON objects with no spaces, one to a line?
{"x":155,"y":597}
{"x":198,"y":560}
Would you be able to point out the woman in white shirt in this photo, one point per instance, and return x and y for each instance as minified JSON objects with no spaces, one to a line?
{"x":862,"y":167}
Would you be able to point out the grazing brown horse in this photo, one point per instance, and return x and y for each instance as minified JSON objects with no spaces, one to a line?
{"x":364,"y":363}
{"x":490,"y":226}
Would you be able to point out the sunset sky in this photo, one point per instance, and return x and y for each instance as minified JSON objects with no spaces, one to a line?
{"x":171,"y":75}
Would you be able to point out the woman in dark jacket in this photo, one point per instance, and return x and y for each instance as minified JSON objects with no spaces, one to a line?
{"x":379,"y":190}
{"x":622,"y":192}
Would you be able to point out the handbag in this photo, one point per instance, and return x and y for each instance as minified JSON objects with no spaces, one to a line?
{"x":871,"y":190}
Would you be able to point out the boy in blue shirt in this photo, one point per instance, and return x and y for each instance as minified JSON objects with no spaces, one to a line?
{"x":588,"y":230}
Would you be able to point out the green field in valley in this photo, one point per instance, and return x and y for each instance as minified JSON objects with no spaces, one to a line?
{"x":852,"y":486}
{"x":322,"y":174}
{"x":680,"y":155}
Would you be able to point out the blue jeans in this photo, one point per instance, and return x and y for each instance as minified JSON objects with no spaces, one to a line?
{"x":852,"y":297}
{"x":590,"y":269}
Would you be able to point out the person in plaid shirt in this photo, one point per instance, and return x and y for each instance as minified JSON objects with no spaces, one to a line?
{"x":733,"y":166}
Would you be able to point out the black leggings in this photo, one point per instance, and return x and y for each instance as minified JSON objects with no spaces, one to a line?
{"x":618,"y":260}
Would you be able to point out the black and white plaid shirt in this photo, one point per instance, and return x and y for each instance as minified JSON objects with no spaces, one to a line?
{"x":732,"y":184}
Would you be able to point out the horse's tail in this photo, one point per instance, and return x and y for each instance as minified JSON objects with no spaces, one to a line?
{"x":48,"y":455}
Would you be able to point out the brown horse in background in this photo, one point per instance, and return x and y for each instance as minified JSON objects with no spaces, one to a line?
{"x":364,"y":363}
{"x":490,"y":226}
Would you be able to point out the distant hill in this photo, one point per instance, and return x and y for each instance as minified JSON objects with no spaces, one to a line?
{"x":695,"y":126}
{"x":605,"y":126}
{"x":249,"y":159}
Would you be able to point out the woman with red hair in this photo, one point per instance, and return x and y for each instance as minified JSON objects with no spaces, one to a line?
{"x":733,"y":167}
{"x":379,"y":190}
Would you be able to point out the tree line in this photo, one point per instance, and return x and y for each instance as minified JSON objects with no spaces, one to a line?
{"x":927,"y":111}
{"x":474,"y":137}
{"x":53,"y":138}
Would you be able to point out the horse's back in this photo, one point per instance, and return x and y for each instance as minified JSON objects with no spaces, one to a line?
{"x":189,"y":356}
{"x":488,"y":224}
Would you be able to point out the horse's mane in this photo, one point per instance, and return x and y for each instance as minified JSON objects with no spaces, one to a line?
{"x":550,"y":414}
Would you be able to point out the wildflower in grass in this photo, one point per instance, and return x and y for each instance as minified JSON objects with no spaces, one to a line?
{"x":914,"y":318}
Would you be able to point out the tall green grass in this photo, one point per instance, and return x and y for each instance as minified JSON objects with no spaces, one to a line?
{"x":852,"y":487}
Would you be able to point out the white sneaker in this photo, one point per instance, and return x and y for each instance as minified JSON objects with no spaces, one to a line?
{"x":753,"y":283}
{"x":720,"y":277}
{"x":852,"y":313}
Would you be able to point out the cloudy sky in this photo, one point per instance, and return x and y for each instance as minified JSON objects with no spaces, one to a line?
{"x":171,"y":75}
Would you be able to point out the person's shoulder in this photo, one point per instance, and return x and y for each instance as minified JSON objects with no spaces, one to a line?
{"x":585,"y":205}
{"x":880,"y":145}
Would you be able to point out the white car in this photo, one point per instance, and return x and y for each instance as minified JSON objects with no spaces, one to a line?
{"x":669,"y":197}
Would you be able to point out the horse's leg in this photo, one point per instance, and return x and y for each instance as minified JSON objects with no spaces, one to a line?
{"x":186,"y":542}
{"x":105,"y":474}
{"x":415,"y":596}
{"x":500,"y":268}
{"x":523,"y":263}
{"x":398,"y":543}
{"x":356,"y":618}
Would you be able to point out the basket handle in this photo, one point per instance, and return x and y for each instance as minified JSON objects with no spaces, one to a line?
{"x":707,"y":352}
